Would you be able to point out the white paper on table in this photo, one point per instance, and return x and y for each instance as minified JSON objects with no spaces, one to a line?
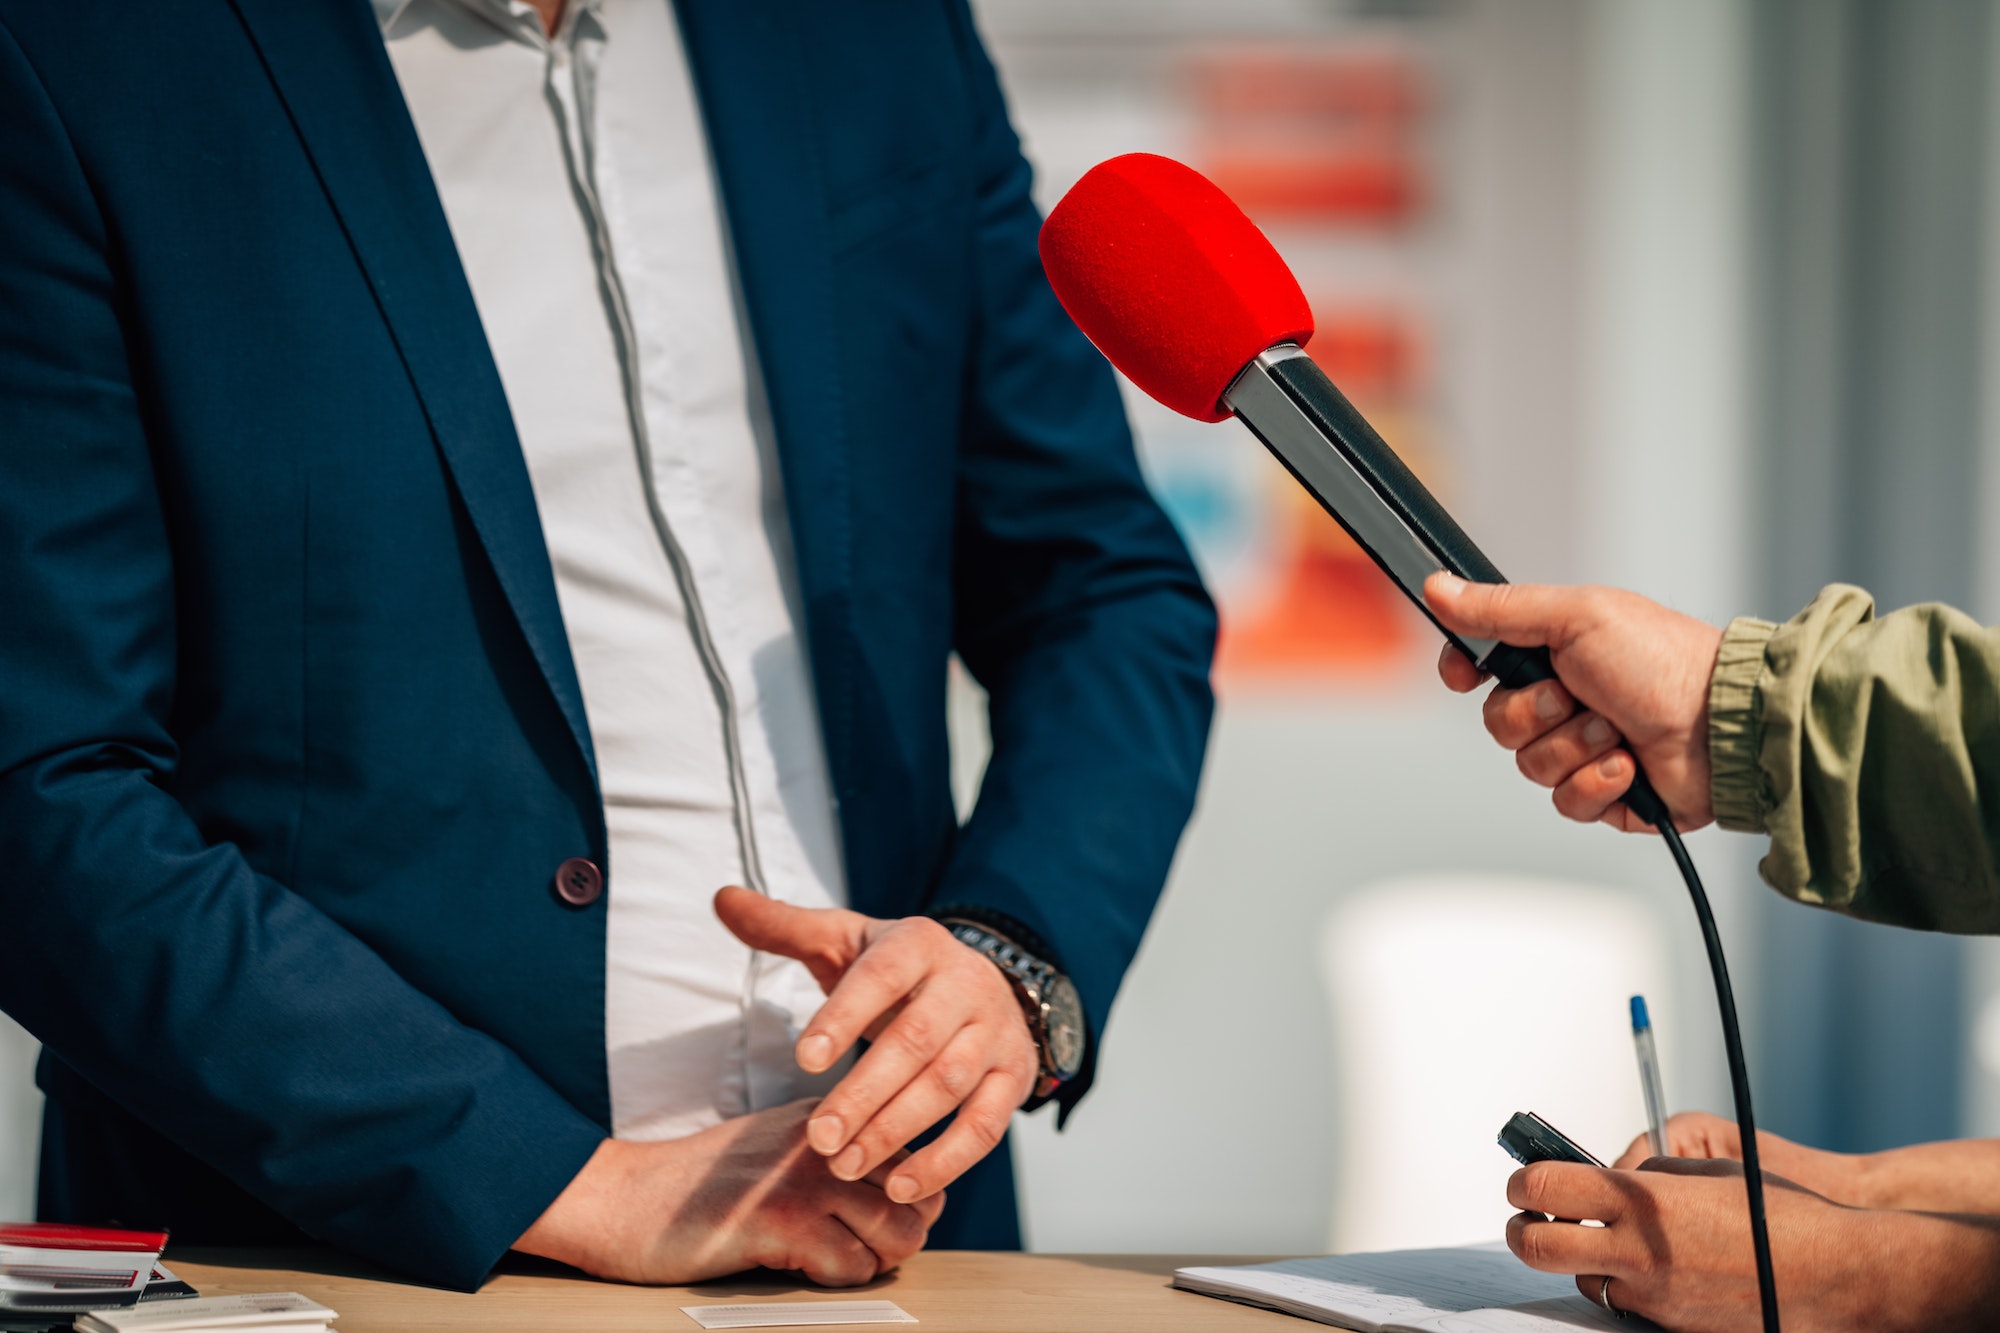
{"x":798,"y":1314}
{"x":262,"y":1311}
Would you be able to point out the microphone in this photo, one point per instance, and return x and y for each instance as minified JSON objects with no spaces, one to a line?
{"x":1182,"y":292}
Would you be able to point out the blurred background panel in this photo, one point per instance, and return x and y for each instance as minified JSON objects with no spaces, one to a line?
{"x":1875,"y":149}
{"x":1691,"y":296}
{"x":1695,"y":296}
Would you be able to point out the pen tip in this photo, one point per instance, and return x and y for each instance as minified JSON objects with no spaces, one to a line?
{"x":1639,"y":1019}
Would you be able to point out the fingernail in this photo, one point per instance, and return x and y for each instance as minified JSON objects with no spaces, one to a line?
{"x":1609,"y":765}
{"x":901,"y":1189}
{"x":1446,"y":583}
{"x":815,"y":1052}
{"x":825,"y":1133}
{"x":1548,"y":706}
{"x":1596,"y":731}
{"x":848,"y":1165}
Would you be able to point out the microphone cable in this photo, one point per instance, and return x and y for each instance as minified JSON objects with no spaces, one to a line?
{"x":1646,"y":803}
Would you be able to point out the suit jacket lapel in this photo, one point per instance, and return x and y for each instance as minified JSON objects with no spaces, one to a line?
{"x":751,"y":76}
{"x":327,"y":60}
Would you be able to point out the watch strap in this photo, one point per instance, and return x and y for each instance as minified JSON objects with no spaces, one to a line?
{"x":1001,"y":924}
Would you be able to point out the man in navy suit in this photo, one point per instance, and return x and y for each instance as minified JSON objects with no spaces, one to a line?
{"x":476,"y":476}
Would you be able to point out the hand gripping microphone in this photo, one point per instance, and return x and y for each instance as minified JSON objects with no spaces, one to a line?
{"x":1182,"y":292}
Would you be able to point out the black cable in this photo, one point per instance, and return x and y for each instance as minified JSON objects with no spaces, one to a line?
{"x":1739,"y":1071}
{"x":1517,"y":668}
{"x":1643,"y":801}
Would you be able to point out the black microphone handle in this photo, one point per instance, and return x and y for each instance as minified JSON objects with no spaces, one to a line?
{"x":1386,"y":505}
{"x":1517,"y":668}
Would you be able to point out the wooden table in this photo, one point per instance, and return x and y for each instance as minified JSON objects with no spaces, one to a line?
{"x":948,"y":1291}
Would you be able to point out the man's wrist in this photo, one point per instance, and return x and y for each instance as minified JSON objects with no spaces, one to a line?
{"x":1048,"y":1000}
{"x":578,"y":1224}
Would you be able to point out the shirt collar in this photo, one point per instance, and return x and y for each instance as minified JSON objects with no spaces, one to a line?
{"x":501,"y":11}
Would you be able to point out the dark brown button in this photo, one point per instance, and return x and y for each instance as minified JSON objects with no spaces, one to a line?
{"x":579,"y":882}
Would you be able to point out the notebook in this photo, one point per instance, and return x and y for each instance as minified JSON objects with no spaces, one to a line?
{"x":163,"y":1285}
{"x":1470,"y":1289}
{"x":51,"y":1268}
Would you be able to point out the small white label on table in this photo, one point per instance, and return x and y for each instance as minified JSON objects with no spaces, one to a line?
{"x":798,"y":1314}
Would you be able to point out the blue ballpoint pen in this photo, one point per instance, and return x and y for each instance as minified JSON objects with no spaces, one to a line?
{"x":1649,"y":1077}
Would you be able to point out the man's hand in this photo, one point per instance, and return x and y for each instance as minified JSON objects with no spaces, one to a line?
{"x":1676,"y":1245}
{"x":946,"y":1032}
{"x":1640,"y":672}
{"x":1697,"y":1134}
{"x":748,"y":1193}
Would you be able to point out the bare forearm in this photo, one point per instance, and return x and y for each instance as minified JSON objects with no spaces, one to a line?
{"x":1926,"y":1273}
{"x":1955,"y":1176}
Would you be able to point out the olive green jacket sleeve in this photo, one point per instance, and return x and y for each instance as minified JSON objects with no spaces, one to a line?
{"x":1869,"y":750}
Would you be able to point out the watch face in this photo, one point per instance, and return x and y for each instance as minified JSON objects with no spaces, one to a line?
{"x":1065,"y":1020}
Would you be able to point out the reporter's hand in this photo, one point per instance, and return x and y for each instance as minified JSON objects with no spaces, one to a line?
{"x":946,"y":1032}
{"x":747,"y":1193}
{"x":1699,"y":1135}
{"x":1676,"y":1246}
{"x":1640,"y":672}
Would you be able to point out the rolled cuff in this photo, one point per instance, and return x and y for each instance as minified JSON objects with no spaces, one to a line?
{"x":1736,"y":786}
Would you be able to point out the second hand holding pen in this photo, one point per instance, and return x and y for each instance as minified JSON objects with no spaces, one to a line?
{"x":1649,"y":1077}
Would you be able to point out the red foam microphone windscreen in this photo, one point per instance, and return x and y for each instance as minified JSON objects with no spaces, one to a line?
{"x":1171,"y":281}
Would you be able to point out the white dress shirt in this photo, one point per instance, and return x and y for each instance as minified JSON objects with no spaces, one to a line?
{"x":574,"y":171}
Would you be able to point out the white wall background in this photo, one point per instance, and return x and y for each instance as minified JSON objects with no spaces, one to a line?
{"x":1667,"y":243}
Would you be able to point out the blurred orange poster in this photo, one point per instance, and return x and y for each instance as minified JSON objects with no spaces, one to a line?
{"x":1327,"y":134}
{"x":1323,"y":145}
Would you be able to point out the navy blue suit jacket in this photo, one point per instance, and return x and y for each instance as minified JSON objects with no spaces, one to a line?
{"x":290,"y":738}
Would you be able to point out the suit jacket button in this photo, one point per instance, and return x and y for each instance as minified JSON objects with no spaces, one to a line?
{"x":579,"y":882}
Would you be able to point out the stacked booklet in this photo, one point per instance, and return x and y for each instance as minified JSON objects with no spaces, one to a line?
{"x":1471,"y":1289}
{"x":49,"y":1269}
{"x":273,"y":1312}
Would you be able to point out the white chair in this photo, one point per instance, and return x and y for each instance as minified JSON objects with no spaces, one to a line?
{"x":20,"y":1122}
{"x":1457,"y":1001}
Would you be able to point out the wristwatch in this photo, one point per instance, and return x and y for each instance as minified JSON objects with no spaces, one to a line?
{"x":1048,"y":999}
